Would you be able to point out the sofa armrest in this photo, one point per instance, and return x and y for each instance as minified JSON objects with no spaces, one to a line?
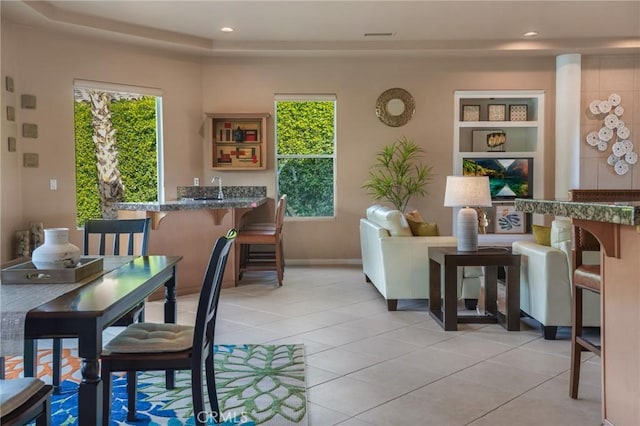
{"x":545,"y":285}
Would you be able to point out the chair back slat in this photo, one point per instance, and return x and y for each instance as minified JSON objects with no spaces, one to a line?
{"x":117,"y":229}
{"x":280,"y":212}
{"x":209,"y":297}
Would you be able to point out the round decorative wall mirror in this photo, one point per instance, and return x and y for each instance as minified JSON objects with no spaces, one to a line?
{"x":395,"y":107}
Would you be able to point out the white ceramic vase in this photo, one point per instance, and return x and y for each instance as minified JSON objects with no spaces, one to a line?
{"x":57,"y":251}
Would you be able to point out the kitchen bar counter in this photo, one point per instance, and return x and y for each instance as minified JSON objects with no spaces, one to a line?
{"x":188,"y":227}
{"x":617,"y":227}
{"x":194,"y":204}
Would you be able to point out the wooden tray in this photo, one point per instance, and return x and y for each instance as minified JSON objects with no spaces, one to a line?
{"x":27,"y":273}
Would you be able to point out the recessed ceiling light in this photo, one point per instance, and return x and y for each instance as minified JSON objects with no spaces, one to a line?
{"x":226,"y":29}
{"x":531,"y":34}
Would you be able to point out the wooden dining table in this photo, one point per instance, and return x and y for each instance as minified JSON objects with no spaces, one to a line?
{"x":87,"y":310}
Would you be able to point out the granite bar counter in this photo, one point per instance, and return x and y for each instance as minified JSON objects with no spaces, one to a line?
{"x":189,"y":226}
{"x":617,"y":227}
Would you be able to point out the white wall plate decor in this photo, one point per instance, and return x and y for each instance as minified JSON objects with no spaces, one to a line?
{"x":613,"y":130}
{"x":615,"y":99}
{"x":631,"y":157}
{"x":604,"y":106}
{"x":611,"y":121}
{"x":593,"y":139}
{"x":624,"y":133}
{"x":621,"y":167}
{"x":605,"y":134}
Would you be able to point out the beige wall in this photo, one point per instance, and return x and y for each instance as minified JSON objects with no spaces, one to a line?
{"x":602,"y":76}
{"x":46,"y":64}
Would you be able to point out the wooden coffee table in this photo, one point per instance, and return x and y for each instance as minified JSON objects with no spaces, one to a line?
{"x":489,"y":257}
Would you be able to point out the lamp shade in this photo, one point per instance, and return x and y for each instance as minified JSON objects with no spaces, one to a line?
{"x":463,"y":191}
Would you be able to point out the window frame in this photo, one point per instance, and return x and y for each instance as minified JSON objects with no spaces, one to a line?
{"x":334,"y":156}
{"x":138,"y":90}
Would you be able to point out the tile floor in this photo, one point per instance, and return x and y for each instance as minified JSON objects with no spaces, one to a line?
{"x":368,"y":366}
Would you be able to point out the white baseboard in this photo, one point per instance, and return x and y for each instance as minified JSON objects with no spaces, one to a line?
{"x":322,"y":262}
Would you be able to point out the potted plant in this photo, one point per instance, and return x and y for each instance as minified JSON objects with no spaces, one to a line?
{"x":398,"y":174}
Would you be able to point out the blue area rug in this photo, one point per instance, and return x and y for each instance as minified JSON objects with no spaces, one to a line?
{"x":256,"y":384}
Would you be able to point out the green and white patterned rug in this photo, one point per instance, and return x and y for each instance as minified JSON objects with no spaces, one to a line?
{"x":256,"y":385}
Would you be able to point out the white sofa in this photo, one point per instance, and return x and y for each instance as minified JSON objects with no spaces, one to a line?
{"x":545,"y":281}
{"x":397,"y":263}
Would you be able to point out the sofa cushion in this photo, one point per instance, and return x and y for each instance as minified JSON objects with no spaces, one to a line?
{"x":423,"y":229}
{"x":392,"y":220}
{"x":415,"y":216}
{"x":542,"y":234}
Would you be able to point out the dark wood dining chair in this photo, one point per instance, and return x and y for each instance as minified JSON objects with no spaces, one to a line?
{"x":587,"y":277}
{"x":134,"y":233}
{"x":264,"y":234}
{"x":24,"y":400}
{"x":154,"y":347}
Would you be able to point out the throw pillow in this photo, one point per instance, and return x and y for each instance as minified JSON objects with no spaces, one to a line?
{"x":542,"y":234}
{"x":415,"y":216}
{"x":423,"y":229}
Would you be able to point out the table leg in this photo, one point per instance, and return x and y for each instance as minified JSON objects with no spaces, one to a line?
{"x":491,"y":289}
{"x":450,"y":317}
{"x":170,"y":314}
{"x":90,"y":388}
{"x":435,"y":296}
{"x":513,"y":298}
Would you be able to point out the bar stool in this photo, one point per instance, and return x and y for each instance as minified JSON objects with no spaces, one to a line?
{"x":262,"y":234}
{"x":585,"y":277}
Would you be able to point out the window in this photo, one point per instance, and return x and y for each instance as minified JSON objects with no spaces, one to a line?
{"x":305,"y":153}
{"x":118,"y":145}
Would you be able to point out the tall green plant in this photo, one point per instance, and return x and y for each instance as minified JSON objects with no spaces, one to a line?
{"x":398,"y":174}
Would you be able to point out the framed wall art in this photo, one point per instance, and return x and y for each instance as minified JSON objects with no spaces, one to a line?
{"x":518,"y":112}
{"x":497,"y":112}
{"x":509,"y":221}
{"x":470,"y":112}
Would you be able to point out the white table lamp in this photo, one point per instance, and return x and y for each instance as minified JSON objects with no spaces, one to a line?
{"x":467,"y":191}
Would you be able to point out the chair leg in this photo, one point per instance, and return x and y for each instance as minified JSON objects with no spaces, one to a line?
{"x":106,"y":394}
{"x":199,"y":413}
{"x":238,"y":255}
{"x":576,"y":348}
{"x":211,"y":388}
{"x":44,"y":419}
{"x":56,"y":379}
{"x":132,"y":394}
{"x":279,"y":268}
